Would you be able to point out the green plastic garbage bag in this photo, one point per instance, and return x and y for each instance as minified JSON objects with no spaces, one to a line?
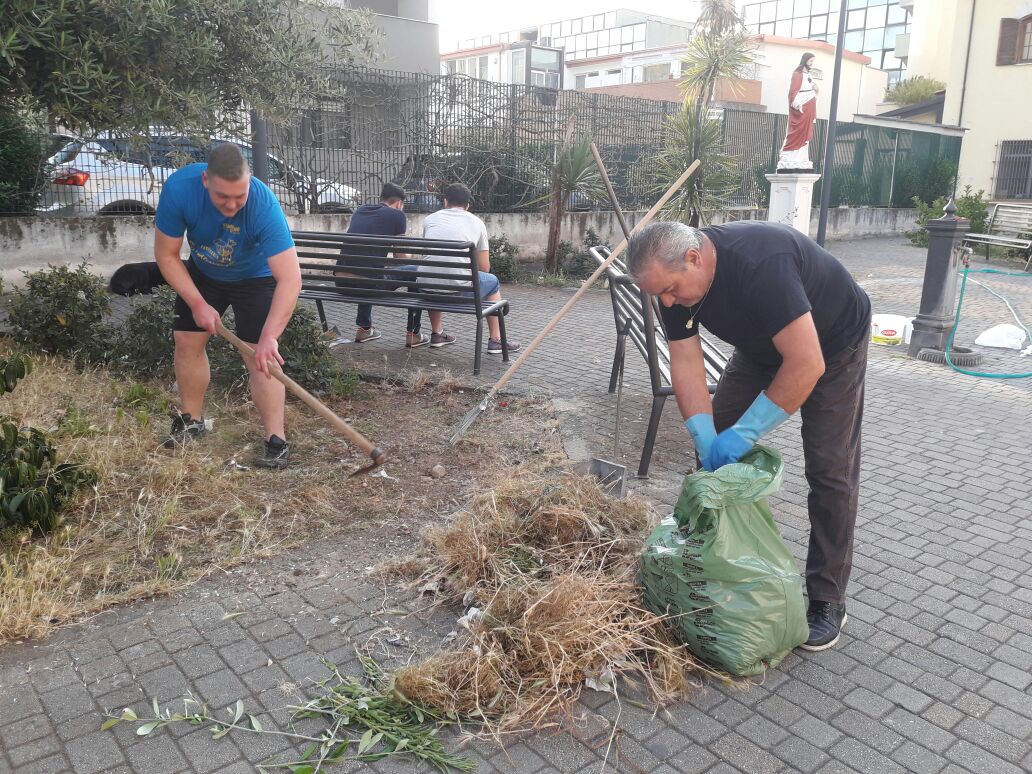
{"x":719,"y":566}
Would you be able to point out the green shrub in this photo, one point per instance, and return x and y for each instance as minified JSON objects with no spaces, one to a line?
{"x":504,"y":258}
{"x":142,"y":346}
{"x":972,"y":206}
{"x":21,"y":160}
{"x":60,"y":311}
{"x":580,"y":265}
{"x":32,"y":484}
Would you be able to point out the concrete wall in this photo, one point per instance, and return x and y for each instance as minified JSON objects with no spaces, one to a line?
{"x":29,"y":244}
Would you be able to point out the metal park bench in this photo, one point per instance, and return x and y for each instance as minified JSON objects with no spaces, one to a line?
{"x":636,"y":316}
{"x":338,"y":268}
{"x":1009,"y":226}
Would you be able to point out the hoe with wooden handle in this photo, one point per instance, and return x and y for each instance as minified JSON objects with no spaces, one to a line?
{"x":375,"y":453}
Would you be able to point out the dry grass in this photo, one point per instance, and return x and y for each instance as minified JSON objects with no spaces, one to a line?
{"x":159,"y":520}
{"x":550,"y":562}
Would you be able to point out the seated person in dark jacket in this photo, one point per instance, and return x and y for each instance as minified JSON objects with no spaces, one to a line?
{"x":384,"y":219}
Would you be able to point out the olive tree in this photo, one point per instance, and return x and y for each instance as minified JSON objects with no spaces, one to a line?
{"x":127,"y":65}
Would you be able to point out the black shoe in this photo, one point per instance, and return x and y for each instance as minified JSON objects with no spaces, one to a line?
{"x":826,"y":620}
{"x":184,"y":429}
{"x":277,"y":452}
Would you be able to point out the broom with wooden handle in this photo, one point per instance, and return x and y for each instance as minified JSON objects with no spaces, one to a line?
{"x":471,"y":417}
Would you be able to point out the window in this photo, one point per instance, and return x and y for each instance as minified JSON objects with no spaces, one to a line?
{"x":783,"y":28}
{"x":856,"y":20}
{"x":819,"y":6}
{"x":639,"y":33}
{"x":656,"y":72}
{"x":818,"y":25}
{"x":874,"y":38}
{"x":519,"y":65}
{"x":482,"y":68}
{"x":1025,"y":40}
{"x":854,"y":41}
{"x":876,"y":16}
{"x":610,"y":19}
{"x":576,"y":28}
{"x":579,"y":81}
{"x":802,"y":7}
{"x":1014,"y":171}
{"x":897,"y":15}
{"x":800,"y":27}
{"x":752,"y":14}
{"x":769,"y":11}
{"x":600,"y":21}
{"x":784,"y":9}
{"x":565,"y":28}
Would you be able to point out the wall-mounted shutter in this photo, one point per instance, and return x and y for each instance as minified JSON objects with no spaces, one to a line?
{"x":1007,"y":47}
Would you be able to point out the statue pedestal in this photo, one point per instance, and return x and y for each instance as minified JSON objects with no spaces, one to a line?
{"x":790,"y":197}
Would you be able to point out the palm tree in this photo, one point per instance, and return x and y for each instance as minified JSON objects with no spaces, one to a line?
{"x":721,"y":50}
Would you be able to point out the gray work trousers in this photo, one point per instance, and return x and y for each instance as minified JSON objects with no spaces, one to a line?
{"x":831,"y":420}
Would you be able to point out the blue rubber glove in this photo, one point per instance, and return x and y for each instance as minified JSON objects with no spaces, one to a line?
{"x":733,"y":444}
{"x":703,"y":433}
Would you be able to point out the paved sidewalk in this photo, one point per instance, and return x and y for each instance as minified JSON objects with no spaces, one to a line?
{"x":933,"y":673}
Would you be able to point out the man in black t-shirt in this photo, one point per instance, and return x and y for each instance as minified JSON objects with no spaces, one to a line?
{"x":799,"y":324}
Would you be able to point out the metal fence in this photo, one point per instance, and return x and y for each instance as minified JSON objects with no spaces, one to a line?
{"x":424,"y":131}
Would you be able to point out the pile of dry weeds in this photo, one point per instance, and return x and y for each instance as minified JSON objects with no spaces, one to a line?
{"x":549,"y":564}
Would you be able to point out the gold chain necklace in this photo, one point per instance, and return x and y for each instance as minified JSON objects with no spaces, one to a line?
{"x":698,"y":308}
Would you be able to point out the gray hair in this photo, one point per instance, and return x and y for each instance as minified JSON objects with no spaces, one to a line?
{"x":665,"y":242}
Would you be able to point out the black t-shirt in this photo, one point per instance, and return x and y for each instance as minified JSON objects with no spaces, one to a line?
{"x":767,"y":276}
{"x":375,"y":220}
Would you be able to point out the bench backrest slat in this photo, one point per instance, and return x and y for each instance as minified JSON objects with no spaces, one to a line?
{"x":1011,"y":220}
{"x":630,"y":303}
{"x":339,"y":264}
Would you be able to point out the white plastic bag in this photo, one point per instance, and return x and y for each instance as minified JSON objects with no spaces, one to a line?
{"x":1007,"y":336}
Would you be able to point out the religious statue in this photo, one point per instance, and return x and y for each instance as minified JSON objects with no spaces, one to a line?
{"x":802,"y":114}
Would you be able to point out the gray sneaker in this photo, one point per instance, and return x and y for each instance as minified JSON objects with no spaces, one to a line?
{"x":494,"y":346}
{"x":184,"y":429}
{"x":276,"y":455}
{"x":441,"y":339}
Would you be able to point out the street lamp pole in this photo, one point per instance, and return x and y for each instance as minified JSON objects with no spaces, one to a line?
{"x":829,"y":145}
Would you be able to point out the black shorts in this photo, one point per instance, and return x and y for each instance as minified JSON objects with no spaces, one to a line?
{"x":251,"y":300}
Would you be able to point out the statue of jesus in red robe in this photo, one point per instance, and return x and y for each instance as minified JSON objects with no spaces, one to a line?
{"x":802,"y":113}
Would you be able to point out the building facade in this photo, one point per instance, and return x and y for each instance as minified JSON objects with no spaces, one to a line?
{"x":409,"y":39}
{"x":568,"y":53}
{"x":872,"y":26}
{"x":982,"y":51}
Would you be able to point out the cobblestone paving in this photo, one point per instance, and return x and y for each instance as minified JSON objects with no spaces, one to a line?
{"x":933,"y":672}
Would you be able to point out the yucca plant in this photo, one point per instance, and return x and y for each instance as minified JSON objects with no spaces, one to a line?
{"x":574,"y":172}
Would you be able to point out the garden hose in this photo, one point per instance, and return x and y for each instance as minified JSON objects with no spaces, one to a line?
{"x":956,"y":322}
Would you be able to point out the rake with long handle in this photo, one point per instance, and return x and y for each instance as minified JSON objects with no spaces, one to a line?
{"x":375,"y":453}
{"x":627,"y":237}
{"x":471,"y":417}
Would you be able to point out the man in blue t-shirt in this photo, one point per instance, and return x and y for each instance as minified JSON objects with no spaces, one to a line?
{"x":384,"y":219}
{"x":241,"y":255}
{"x":799,"y":324}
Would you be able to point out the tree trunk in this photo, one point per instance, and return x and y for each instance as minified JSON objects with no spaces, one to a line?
{"x":555,"y":220}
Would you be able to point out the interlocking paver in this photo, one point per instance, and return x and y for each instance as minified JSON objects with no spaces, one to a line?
{"x":933,"y":672}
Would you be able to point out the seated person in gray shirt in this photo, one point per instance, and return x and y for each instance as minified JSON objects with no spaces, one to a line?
{"x":457,"y":223}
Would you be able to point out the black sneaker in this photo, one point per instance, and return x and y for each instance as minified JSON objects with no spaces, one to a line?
{"x":826,"y":620}
{"x":277,"y":452}
{"x":184,"y":429}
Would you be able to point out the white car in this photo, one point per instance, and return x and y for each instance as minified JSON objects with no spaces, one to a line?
{"x":110,"y":176}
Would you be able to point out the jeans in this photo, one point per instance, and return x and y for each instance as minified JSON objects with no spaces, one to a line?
{"x":831,"y":417}
{"x":489,"y":285}
{"x":364,"y":315}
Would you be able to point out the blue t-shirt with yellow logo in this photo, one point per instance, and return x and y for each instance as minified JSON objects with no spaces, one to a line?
{"x":225,"y":249}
